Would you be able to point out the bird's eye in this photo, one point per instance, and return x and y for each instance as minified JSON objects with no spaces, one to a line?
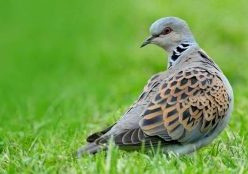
{"x":167,"y":30}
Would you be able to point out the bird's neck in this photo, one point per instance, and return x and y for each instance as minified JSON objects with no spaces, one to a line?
{"x":175,"y":54}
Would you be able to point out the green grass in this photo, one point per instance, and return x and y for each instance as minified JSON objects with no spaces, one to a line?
{"x":69,"y":68}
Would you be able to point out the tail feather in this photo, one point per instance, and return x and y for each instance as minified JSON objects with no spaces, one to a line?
{"x":90,"y":148}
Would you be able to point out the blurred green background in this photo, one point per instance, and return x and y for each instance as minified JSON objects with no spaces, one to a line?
{"x":68,"y":68}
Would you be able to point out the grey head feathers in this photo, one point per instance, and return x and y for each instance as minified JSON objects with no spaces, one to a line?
{"x":169,"y":32}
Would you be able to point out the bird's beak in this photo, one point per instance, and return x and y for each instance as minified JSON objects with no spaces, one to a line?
{"x":147,"y":41}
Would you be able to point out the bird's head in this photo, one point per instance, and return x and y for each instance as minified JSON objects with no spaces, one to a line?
{"x":168,"y":33}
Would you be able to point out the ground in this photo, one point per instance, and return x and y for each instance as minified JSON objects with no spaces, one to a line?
{"x":69,"y":68}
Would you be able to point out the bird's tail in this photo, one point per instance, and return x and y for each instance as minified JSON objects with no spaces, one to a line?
{"x":90,"y":148}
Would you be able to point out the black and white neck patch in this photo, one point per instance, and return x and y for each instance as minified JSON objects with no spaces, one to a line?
{"x":178,"y":52}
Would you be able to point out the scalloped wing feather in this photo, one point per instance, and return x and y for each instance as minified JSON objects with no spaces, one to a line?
{"x":192,"y":99}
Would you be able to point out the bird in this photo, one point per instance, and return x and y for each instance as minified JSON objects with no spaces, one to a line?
{"x":182,"y":108}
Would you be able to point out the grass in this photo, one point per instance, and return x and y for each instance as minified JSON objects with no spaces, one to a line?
{"x":69,"y":68}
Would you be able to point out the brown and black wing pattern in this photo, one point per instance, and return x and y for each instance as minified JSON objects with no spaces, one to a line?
{"x":133,"y":136}
{"x":190,"y":98}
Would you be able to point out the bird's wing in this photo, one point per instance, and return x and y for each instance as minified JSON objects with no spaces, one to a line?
{"x":130,"y":120}
{"x":193,"y":99}
{"x":126,"y":131}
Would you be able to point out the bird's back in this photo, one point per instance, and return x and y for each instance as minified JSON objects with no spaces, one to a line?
{"x":194,"y":58}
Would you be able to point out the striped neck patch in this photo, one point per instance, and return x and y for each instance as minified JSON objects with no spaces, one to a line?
{"x":178,"y":52}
